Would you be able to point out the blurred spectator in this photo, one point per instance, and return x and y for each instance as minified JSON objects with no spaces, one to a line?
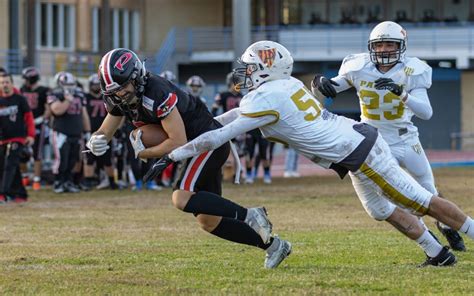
{"x":17,"y":132}
{"x":291,"y":164}
{"x":70,"y":123}
{"x":195,"y":85}
{"x":316,"y":19}
{"x":428,"y":16}
{"x":372,"y":17}
{"x":402,"y":17}
{"x":36,"y":96}
{"x":347,"y":18}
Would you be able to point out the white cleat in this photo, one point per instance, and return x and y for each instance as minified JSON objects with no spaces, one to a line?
{"x":277,"y":252}
{"x":257,"y":219}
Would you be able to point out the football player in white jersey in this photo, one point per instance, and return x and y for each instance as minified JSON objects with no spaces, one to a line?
{"x":392,"y":88}
{"x":287,"y":112}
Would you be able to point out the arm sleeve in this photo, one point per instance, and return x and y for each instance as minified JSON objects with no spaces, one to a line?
{"x":343,"y":82}
{"x":419,"y":103}
{"x":215,"y":138}
{"x":30,"y":124}
{"x":228,"y":117}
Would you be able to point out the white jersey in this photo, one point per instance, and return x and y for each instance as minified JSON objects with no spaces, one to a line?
{"x":381,"y":108}
{"x":301,"y":122}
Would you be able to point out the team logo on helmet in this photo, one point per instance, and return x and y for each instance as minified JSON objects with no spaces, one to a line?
{"x":267,"y":56}
{"x":123,"y":60}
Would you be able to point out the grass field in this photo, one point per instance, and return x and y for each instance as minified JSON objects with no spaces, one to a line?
{"x":124,"y":243}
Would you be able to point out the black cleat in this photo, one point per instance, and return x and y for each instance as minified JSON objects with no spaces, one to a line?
{"x":454,"y":239}
{"x":444,"y":258}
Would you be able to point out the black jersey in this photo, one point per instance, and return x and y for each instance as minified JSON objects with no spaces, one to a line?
{"x":12,"y":117}
{"x":228,"y":100}
{"x":70,"y":123}
{"x":159,"y":99}
{"x":96,"y":110}
{"x":36,"y":99}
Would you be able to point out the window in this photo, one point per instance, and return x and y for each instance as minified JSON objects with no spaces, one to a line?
{"x":55,"y":25}
{"x":124,"y":28}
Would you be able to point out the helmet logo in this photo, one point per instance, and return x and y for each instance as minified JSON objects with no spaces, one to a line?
{"x":267,"y":56}
{"x":123,"y":60}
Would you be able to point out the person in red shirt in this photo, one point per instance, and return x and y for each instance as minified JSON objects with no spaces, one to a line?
{"x":17,"y":132}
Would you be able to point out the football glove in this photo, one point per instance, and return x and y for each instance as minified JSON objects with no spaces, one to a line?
{"x":388,"y":84}
{"x":159,"y":166}
{"x":136,"y":142}
{"x":324,"y":86}
{"x":97,"y":144}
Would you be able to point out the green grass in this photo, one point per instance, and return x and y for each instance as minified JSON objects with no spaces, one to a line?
{"x":123,"y":243}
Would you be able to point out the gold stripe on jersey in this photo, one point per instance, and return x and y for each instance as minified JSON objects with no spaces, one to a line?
{"x":272,"y":139}
{"x":391,"y":191}
{"x":264,"y":113}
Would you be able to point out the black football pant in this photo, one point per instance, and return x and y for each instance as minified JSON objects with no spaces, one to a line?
{"x":69,"y":155}
{"x":10,"y":175}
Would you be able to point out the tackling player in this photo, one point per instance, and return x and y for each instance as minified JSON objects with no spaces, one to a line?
{"x":392,"y":88}
{"x":285,"y":111}
{"x":143,"y":98}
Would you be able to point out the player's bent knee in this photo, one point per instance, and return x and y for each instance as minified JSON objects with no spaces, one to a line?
{"x":208,"y":223}
{"x":180,"y":198}
{"x":379,"y":214}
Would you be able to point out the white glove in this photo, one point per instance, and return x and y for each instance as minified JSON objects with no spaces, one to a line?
{"x":136,"y":142}
{"x":98,"y":145}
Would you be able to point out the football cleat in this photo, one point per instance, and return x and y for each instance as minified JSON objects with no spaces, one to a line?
{"x":58,"y":187}
{"x":71,"y":187}
{"x":454,"y":239}
{"x":257,"y":219}
{"x":277,"y":252}
{"x":444,"y":258}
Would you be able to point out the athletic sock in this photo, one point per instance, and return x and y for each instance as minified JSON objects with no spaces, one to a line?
{"x":112,"y":181}
{"x":468,"y":227}
{"x":429,"y":244}
{"x":204,"y":202}
{"x":266,"y":171}
{"x":239,"y":232}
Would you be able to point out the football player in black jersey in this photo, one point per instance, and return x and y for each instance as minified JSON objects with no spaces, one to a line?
{"x":143,"y":98}
{"x":17,"y":131}
{"x":36,"y":96}
{"x":97,"y":112}
{"x":228,"y":99}
{"x":70,"y":123}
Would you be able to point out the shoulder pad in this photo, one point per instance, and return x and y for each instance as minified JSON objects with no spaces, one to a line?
{"x":415,"y":66}
{"x":354,"y":62}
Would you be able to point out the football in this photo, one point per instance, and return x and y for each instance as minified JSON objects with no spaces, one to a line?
{"x":152,"y":134}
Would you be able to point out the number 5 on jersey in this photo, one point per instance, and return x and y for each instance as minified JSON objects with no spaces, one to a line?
{"x":305,"y":101}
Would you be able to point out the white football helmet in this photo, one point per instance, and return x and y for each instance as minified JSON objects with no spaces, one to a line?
{"x":195,"y":85}
{"x":65,"y":79}
{"x":263,"y":61}
{"x":387,"y":32}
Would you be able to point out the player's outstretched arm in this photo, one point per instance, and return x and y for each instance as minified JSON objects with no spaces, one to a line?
{"x":228,"y":117}
{"x":215,"y":138}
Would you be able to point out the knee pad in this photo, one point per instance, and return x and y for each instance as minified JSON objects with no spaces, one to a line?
{"x":380,"y":212}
